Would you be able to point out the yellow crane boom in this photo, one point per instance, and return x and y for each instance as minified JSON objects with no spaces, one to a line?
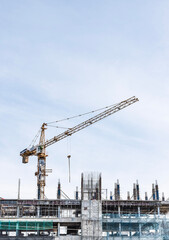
{"x":40,"y":149}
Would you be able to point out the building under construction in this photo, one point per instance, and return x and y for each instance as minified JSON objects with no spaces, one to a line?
{"x":88,"y":216}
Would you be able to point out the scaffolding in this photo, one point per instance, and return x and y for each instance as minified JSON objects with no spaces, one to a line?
{"x":91,"y":210}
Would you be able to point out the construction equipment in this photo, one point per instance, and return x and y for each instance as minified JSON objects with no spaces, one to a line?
{"x":40,"y":149}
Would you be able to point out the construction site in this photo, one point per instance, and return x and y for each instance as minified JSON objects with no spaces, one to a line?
{"x":90,"y":215}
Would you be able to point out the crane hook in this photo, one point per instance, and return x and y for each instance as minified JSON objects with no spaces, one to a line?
{"x":69,"y":156}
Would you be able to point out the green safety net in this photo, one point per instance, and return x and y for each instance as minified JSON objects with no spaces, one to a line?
{"x":26,"y":225}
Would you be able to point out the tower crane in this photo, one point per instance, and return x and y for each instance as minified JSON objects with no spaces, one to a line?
{"x":39,"y":150}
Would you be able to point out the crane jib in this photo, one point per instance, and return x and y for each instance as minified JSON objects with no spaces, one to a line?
{"x":92,"y":120}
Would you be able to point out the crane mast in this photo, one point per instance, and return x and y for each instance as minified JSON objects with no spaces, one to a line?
{"x":41,"y":166}
{"x":40,"y":149}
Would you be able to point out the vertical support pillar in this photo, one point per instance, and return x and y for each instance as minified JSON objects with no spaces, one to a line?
{"x":130,"y":234}
{"x":82,"y":186}
{"x":26,"y":227}
{"x":77,"y":197}
{"x":115,"y":191}
{"x":97,"y":192}
{"x":139,"y":222}
{"x":38,"y":230}
{"x":158,"y":211}
{"x":59,"y":222}
{"x":0,"y":228}
{"x":128,"y":195}
{"x":118,"y":190}
{"x":58,"y":229}
{"x":59,"y":212}
{"x":59,"y":190}
{"x":38,"y":216}
{"x":111,"y":198}
{"x":137,"y":190}
{"x":120,"y":229}
{"x":134,"y":191}
{"x":106,"y":193}
{"x":119,"y":211}
{"x":17,"y":224}
{"x":100,"y":187}
{"x":156,"y":191}
{"x":138,"y":211}
{"x":19,"y":183}
{"x":18,"y":211}
{"x":17,"y":229}
{"x":153,"y":192}
{"x":38,"y":211}
{"x":91,"y":192}
{"x":139,"y":229}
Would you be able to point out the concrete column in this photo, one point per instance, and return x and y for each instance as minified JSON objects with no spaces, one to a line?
{"x":138,"y":211}
{"x":158,"y":211}
{"x":38,"y":231}
{"x":59,"y":212}
{"x":119,"y":211}
{"x":38,"y":216}
{"x":139,"y":223}
{"x":58,"y":229}
{"x":0,"y":230}
{"x":140,"y":229}
{"x":18,"y":212}
{"x":58,"y":223}
{"x":119,"y":229}
{"x":17,"y":224}
{"x":38,"y":211}
{"x":130,"y":234}
{"x":17,"y":229}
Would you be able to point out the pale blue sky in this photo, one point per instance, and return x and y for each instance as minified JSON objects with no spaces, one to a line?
{"x":60,"y":58}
